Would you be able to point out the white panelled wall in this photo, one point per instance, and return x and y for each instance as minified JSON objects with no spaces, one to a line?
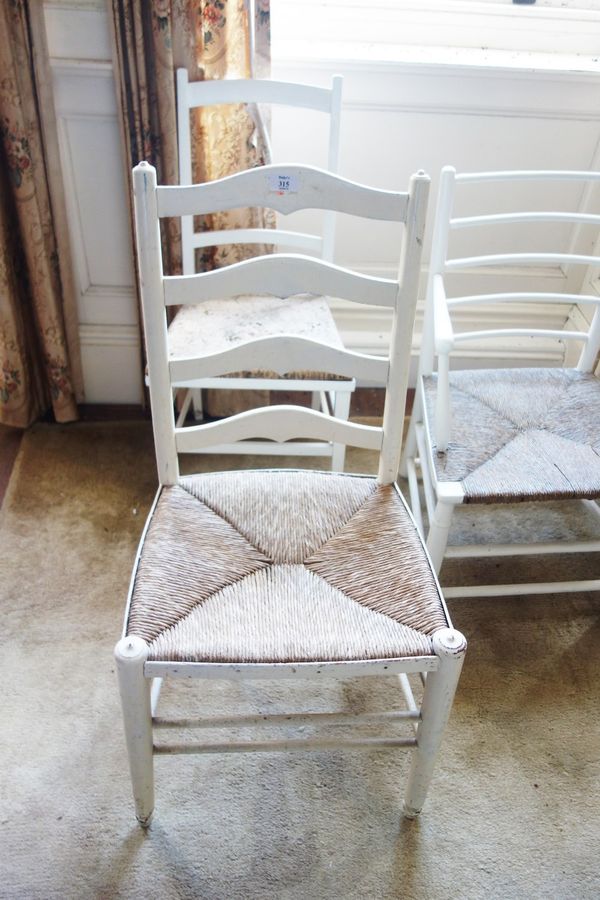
{"x":398,"y":116}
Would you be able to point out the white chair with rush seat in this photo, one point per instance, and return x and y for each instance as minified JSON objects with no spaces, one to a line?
{"x":282,"y":573}
{"x":514,"y":435}
{"x":223,"y":322}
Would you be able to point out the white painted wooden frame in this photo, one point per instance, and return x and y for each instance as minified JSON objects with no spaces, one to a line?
{"x":140,"y":678}
{"x":440,"y":339}
{"x":331,"y":397}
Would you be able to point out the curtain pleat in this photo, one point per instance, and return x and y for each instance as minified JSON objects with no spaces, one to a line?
{"x":39,"y":353}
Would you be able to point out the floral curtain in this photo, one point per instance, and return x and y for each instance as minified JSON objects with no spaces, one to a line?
{"x":39,"y":352}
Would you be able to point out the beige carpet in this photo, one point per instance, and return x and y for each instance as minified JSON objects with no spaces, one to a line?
{"x":513,"y":810}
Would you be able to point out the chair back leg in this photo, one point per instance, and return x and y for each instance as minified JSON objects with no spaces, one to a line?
{"x":341,"y":410}
{"x":410,"y":450}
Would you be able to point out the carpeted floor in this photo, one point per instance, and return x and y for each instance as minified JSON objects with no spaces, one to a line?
{"x":513,"y":810}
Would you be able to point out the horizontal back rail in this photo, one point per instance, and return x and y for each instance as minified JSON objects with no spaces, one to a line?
{"x":239,"y":90}
{"x":285,"y":188}
{"x":527,"y":175}
{"x":281,"y":423}
{"x":520,"y":332}
{"x":524,"y":296}
{"x":517,"y":217}
{"x":286,"y":275}
{"x":520,"y":259}
{"x":282,"y":354}
{"x":258,"y":236}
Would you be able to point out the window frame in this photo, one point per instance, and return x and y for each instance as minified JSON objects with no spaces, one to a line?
{"x":563,"y":33}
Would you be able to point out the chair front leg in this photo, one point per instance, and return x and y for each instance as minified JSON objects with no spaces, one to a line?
{"x":450,"y":647}
{"x":197,"y":404}
{"x":131,"y":654}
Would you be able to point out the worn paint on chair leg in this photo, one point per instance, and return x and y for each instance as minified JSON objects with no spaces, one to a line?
{"x":450,"y":647}
{"x":131,"y":654}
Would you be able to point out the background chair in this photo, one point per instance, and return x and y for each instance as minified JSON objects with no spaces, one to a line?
{"x":506,"y":435}
{"x":225,"y":322}
{"x":267,"y":574}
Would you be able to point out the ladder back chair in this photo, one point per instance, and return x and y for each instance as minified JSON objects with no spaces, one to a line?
{"x":224,"y":321}
{"x":514,"y":434}
{"x":282,"y":573}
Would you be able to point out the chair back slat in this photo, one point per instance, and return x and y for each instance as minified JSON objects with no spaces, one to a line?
{"x":520,"y":296}
{"x":521,"y":259}
{"x":294,"y":239}
{"x":283,"y":354}
{"x":285,"y":188}
{"x":281,"y":275}
{"x":482,"y":334}
{"x":281,"y":423}
{"x":217,"y":92}
{"x":523,"y":217}
{"x":285,"y":275}
{"x":526,"y":175}
{"x":256,"y":94}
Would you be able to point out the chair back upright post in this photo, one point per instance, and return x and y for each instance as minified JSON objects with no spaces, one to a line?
{"x":402,"y":329}
{"x":439,"y":253}
{"x":333,"y":162}
{"x":148,"y":241}
{"x":184,"y":149}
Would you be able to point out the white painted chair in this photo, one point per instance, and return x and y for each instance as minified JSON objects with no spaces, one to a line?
{"x":282,"y":573}
{"x":506,"y":435}
{"x":223,"y":322}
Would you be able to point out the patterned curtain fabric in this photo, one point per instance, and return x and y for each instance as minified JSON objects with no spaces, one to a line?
{"x":39,"y":352}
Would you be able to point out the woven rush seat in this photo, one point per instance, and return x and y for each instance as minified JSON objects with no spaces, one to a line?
{"x":283,"y":566}
{"x":218,"y":325}
{"x":521,"y":434}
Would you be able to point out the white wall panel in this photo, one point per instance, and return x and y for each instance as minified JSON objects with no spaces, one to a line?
{"x":97,"y":203}
{"x":95,"y":154}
